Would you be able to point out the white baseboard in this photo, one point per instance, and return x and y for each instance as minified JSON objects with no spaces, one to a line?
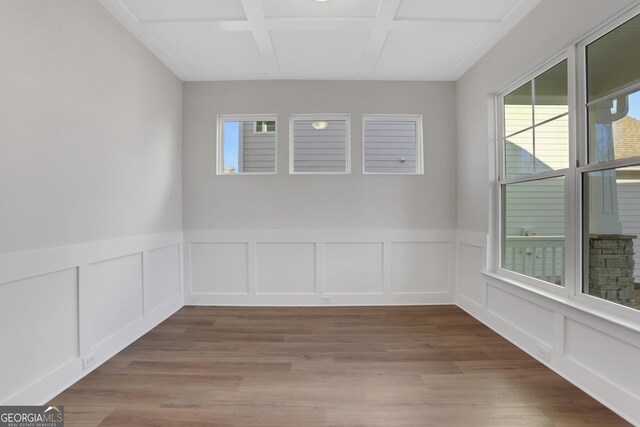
{"x":63,"y":305}
{"x":51,"y":385}
{"x":282,"y":268}
{"x":317,"y":300}
{"x":598,"y":356}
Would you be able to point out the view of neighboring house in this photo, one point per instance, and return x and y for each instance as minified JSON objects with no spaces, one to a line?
{"x":535,"y":220}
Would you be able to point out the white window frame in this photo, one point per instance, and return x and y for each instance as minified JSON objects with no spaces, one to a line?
{"x":572,"y":293}
{"x":220,"y":141}
{"x":320,"y":117}
{"x":567,"y":173}
{"x":610,"y":308}
{"x":417,"y":119}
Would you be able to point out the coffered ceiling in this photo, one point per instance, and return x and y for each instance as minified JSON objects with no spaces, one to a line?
{"x":311,"y":39}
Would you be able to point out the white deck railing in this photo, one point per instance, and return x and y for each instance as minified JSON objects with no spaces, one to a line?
{"x":541,"y":257}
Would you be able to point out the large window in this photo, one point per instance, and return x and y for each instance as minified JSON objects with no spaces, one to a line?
{"x":535,"y":158}
{"x":392,"y":144}
{"x":320,"y":143}
{"x":246,"y":145}
{"x":611,"y":175}
{"x":570,"y":202}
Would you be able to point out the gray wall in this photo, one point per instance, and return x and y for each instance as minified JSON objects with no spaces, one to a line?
{"x":89,"y":129}
{"x":286,"y":201}
{"x":548,"y":29}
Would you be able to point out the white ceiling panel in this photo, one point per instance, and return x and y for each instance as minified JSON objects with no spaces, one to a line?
{"x":467,"y":10}
{"x":423,"y":53}
{"x":319,"y":52}
{"x":308,"y":9}
{"x":308,"y":39}
{"x":184,"y":10}
{"x":203,"y":51}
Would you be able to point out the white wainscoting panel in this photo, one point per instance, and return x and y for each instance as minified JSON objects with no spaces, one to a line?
{"x":470,"y":264}
{"x":353,"y":268}
{"x":219,"y":268}
{"x":317,"y":267}
{"x":592,"y":350}
{"x":589,"y":347}
{"x":38,"y":328}
{"x":286,"y":268}
{"x":114,"y":297}
{"x":61,"y":305}
{"x":420,"y":267}
{"x":162,"y":277}
{"x":522,"y":314}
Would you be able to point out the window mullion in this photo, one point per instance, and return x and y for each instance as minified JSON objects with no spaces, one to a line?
{"x":535,"y":177}
{"x":573,"y":252}
{"x":533,"y":122}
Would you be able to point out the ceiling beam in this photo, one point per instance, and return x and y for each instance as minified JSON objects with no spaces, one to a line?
{"x":378,"y":37}
{"x":316,"y":25}
{"x":124,"y":15}
{"x":255,"y":17}
{"x":262,"y":29}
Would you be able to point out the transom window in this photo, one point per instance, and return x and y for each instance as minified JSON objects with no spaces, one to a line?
{"x":392,"y":144}
{"x":246,"y":144}
{"x":320,"y":144}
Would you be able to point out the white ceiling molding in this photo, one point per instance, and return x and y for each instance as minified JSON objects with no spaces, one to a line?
{"x":306,"y":39}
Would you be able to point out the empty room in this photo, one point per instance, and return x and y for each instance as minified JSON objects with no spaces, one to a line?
{"x":319,"y":213}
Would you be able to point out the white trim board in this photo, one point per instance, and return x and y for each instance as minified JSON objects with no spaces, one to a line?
{"x":597,"y":354}
{"x":319,"y":267}
{"x":72,"y":292}
{"x":262,"y":26}
{"x":535,"y":322}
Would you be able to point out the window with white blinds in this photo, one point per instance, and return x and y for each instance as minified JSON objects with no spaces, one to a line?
{"x":320,"y":144}
{"x":392,"y":144}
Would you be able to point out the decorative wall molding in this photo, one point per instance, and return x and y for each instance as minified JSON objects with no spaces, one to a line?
{"x":596,"y":354}
{"x":319,"y":267}
{"x":67,"y":307}
{"x":60,"y":286}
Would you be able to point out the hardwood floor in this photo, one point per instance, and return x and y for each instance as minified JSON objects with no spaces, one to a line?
{"x":342,"y":366}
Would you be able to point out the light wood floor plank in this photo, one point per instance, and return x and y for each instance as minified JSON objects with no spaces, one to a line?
{"x":327,"y":366}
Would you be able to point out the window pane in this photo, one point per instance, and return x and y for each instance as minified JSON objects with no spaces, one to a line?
{"x":533,"y":229}
{"x":266,"y":126}
{"x":519,"y":154}
{"x":614,"y":128}
{"x":247,"y":151}
{"x":611,"y":230}
{"x":231,"y":139}
{"x":518,"y":110}
{"x":552,"y":145}
{"x":390,"y":146}
{"x":551,"y":93}
{"x":320,"y":146}
{"x":613,"y":61}
{"x":543,"y":146}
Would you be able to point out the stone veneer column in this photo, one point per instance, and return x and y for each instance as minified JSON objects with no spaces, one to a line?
{"x":611,"y":268}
